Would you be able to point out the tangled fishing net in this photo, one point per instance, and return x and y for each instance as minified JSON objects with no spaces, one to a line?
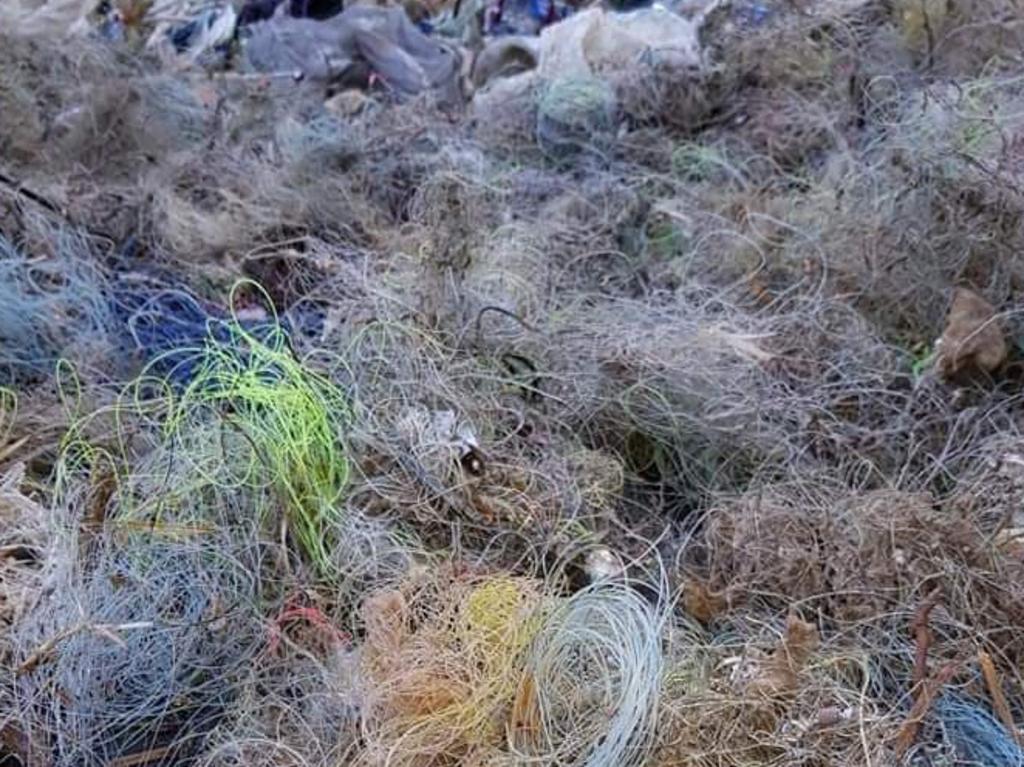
{"x":576,"y":115}
{"x":134,"y":650}
{"x":589,"y":693}
{"x":235,"y":424}
{"x":506,"y":666}
{"x":342,"y":426}
{"x":23,"y":544}
{"x":53,"y":309}
{"x":865,"y":561}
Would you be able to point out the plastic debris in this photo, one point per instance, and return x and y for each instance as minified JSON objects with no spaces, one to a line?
{"x":597,"y":42}
{"x":210,"y":29}
{"x":52,"y":18}
{"x":576,"y":114}
{"x":596,"y":45}
{"x":361,"y":43}
{"x":261,"y":10}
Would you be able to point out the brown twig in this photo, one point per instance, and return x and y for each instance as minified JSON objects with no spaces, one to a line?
{"x":22,"y":191}
{"x":8,"y":450}
{"x":926,"y":695}
{"x":108,"y":631}
{"x":923,"y":637}
{"x":142,"y":757}
{"x":924,"y":689}
{"x":44,"y":650}
{"x":995,"y":690}
{"x":15,"y":188}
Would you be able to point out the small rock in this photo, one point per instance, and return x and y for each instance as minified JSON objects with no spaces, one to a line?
{"x":348,"y":103}
{"x":601,"y":564}
{"x":973,"y":341}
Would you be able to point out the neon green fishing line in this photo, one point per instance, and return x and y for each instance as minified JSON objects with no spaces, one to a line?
{"x":293,"y":419}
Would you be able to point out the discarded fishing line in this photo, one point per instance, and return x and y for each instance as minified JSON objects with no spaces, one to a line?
{"x":856,"y":555}
{"x":469,"y":667}
{"x":752,"y":691}
{"x":574,"y":115}
{"x":134,"y":649}
{"x":24,"y":537}
{"x":366,"y":553}
{"x":168,"y":327}
{"x":299,"y":705}
{"x":321,"y":142}
{"x":249,"y":432}
{"x":302,"y":715}
{"x":977,"y":737}
{"x":672,"y":293}
{"x":589,"y":692}
{"x":441,"y":663}
{"x":293,"y":419}
{"x":50,"y":307}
